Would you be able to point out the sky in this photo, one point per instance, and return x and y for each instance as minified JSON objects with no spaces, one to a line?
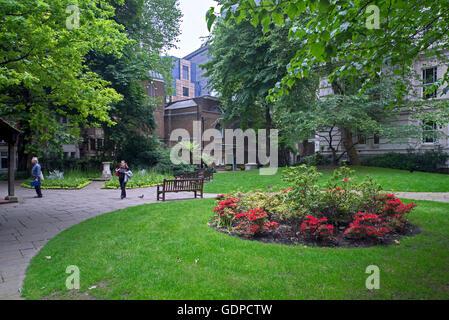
{"x":193,"y":26}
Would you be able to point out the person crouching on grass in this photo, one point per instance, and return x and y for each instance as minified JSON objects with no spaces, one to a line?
{"x":123,"y":174}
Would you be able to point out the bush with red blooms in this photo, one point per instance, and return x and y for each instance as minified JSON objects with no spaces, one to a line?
{"x":394,"y":211}
{"x":230,"y":203}
{"x":253,"y":222}
{"x":225,"y":211}
{"x":220,"y":197}
{"x":317,"y":229}
{"x":390,"y":206}
{"x":366,"y":226}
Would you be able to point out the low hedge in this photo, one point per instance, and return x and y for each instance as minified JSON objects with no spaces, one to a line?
{"x":58,"y":184}
{"x":139,"y":180}
{"x":427,"y":161}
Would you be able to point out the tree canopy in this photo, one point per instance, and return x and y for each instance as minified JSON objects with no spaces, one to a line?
{"x":363,"y":36}
{"x":43,"y":76}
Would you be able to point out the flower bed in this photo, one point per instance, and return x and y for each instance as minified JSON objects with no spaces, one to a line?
{"x":347,"y":213}
{"x":69,"y":184}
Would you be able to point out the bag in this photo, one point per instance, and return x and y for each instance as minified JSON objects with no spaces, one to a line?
{"x":128,"y":175}
{"x":34,"y":183}
{"x":41,"y":176}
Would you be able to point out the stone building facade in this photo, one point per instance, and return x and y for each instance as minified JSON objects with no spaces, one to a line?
{"x":426,"y":71}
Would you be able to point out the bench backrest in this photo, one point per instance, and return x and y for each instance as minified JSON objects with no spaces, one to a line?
{"x":183,"y":185}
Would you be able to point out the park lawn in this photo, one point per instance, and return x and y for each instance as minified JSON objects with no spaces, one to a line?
{"x":389,"y":179}
{"x":133,"y":254}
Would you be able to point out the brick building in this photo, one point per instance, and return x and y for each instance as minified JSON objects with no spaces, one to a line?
{"x":182,"y":114}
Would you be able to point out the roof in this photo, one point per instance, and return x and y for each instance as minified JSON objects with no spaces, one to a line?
{"x":7,"y":131}
{"x":181,"y":104}
{"x":196,"y":52}
{"x":156,"y":75}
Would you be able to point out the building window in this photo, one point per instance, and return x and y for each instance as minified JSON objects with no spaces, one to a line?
{"x":185,"y":72}
{"x":100,"y":143}
{"x":376,"y":138}
{"x":430,"y":130}
{"x":361,"y":137}
{"x":185,"y":91}
{"x":4,"y":160}
{"x":429,"y":78}
{"x":151,"y":90}
{"x":72,"y":154}
{"x":92,"y":144}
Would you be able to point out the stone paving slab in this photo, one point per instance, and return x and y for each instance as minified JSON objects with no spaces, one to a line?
{"x":26,"y":226}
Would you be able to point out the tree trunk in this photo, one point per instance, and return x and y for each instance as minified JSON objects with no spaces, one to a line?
{"x":348,"y":144}
{"x":334,"y":156}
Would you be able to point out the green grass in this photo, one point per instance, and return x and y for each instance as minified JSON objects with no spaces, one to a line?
{"x":139,"y":180}
{"x":132,"y":254}
{"x":72,"y":180}
{"x":390,"y":179}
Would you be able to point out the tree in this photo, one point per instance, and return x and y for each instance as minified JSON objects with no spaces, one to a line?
{"x":343,"y":38}
{"x":245,"y":64}
{"x":43,"y":76}
{"x":153,"y":25}
{"x":362,"y":36}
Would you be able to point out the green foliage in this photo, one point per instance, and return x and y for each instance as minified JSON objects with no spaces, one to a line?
{"x":153,"y":25}
{"x":88,"y":164}
{"x":245,"y":64}
{"x":427,"y":161}
{"x":166,"y":166}
{"x":338,"y":203}
{"x":317,"y":159}
{"x":275,"y":204}
{"x":142,"y":179}
{"x":73,"y":179}
{"x":17,"y":175}
{"x":306,"y":192}
{"x":343,"y":31}
{"x":43,"y":75}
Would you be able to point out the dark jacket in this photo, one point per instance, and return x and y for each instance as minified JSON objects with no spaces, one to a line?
{"x":122,"y":172}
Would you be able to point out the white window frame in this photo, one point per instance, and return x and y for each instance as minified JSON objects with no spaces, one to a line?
{"x":425,"y":85}
{"x":435,"y":129}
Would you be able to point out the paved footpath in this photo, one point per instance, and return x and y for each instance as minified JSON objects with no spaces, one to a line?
{"x":432,"y":196}
{"x":25,"y":227}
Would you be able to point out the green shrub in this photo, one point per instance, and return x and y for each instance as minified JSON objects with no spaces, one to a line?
{"x":338,"y":203}
{"x":18,"y":175}
{"x":142,"y":179}
{"x":316,"y":159}
{"x":305,"y":194}
{"x":427,"y":161}
{"x":166,"y":166}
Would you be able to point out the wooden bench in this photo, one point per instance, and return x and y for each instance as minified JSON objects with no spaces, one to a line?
{"x":180,"y":185}
{"x":206,"y":174}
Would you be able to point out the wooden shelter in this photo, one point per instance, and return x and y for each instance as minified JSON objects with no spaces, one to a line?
{"x":10,"y":134}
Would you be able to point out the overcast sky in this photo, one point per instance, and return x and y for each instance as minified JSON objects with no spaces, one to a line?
{"x":193,"y":26}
